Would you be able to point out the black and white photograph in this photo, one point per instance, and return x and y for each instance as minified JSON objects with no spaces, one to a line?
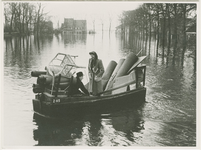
{"x":96,"y":74}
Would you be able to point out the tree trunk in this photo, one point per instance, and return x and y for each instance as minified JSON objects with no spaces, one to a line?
{"x":175,"y":32}
{"x":110,"y":27}
{"x":184,"y":32}
{"x":169,"y":29}
{"x":146,"y":34}
{"x":23,"y":21}
{"x":19,"y":15}
{"x":11,"y":24}
{"x":164,"y":32}
{"x":149,"y":33}
{"x":158,"y":36}
{"x":37,"y":23}
{"x":94,"y":26}
{"x":184,"y":27}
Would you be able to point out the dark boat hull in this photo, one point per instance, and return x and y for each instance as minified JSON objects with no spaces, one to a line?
{"x":48,"y":105}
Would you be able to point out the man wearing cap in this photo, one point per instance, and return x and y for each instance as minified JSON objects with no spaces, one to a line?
{"x":95,"y":70}
{"x":76,"y":85}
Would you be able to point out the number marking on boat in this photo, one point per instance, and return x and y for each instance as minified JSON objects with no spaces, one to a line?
{"x":56,"y":101}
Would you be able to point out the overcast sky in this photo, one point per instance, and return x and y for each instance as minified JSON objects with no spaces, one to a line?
{"x":88,"y":10}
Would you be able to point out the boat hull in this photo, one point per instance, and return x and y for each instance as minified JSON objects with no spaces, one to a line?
{"x":48,"y":105}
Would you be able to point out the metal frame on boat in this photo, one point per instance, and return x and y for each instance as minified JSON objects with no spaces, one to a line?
{"x":52,"y":101}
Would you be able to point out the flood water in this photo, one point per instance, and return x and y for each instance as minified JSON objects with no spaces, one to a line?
{"x":168,"y":118}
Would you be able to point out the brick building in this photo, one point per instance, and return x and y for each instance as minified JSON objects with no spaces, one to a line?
{"x":74,"y":26}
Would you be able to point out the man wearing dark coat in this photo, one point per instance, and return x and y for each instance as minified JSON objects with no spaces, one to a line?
{"x":77,"y":84}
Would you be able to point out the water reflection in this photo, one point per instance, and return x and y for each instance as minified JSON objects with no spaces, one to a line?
{"x":74,"y":38}
{"x":52,"y":133}
{"x":113,"y":129}
{"x":23,"y":51}
{"x":17,"y":52}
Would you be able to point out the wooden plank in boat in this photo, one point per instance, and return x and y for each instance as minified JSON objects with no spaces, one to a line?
{"x":123,"y":80}
{"x":140,"y":59}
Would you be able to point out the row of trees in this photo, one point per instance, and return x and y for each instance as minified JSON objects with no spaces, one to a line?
{"x":166,"y":22}
{"x":25,"y":18}
{"x":102,"y":21}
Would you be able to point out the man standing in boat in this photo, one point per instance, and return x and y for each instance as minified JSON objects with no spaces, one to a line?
{"x":95,"y":70}
{"x":77,"y":84}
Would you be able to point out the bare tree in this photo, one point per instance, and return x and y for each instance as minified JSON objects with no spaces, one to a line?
{"x":40,"y":18}
{"x":110,"y":21}
{"x":20,"y":17}
{"x":102,"y":23}
{"x":9,"y":13}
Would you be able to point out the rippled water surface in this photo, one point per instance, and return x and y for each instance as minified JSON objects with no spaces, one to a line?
{"x":168,"y":118}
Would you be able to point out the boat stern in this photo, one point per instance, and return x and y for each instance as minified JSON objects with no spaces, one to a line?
{"x":37,"y":103}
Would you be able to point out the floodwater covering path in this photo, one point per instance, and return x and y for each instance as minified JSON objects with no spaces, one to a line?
{"x":168,"y":118}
